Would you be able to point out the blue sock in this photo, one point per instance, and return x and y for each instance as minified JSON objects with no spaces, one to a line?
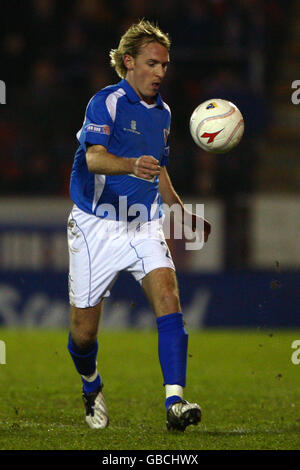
{"x":91,"y":386}
{"x":84,"y":359}
{"x":170,"y":400}
{"x":172,"y":348}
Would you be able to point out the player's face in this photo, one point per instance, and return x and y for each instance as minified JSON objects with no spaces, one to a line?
{"x":147,"y":70}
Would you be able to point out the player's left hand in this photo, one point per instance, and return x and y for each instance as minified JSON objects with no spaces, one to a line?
{"x":197,"y":221}
{"x":207,"y":230}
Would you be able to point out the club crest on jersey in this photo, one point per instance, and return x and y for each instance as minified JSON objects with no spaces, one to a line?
{"x":211,"y":105}
{"x":132,"y":127}
{"x":99,"y":129}
{"x":211,"y":135}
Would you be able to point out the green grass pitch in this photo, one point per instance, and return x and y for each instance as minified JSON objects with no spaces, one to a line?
{"x":245,"y":382}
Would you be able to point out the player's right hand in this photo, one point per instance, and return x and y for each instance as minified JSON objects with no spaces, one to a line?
{"x":146,"y":167}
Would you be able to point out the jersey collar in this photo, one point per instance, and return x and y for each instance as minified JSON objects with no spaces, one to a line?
{"x":132,"y":95}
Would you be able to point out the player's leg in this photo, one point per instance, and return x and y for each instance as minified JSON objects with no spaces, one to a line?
{"x":83,"y":344}
{"x":161,"y":288}
{"x":83,"y":348}
{"x":89,"y":281}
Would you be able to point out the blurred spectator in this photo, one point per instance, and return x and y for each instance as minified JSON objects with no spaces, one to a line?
{"x":56,"y":57}
{"x":16,"y":59}
{"x":195,"y":27}
{"x":43,"y":32}
{"x":74,"y":57}
{"x":205,"y":173}
{"x":98,"y":20}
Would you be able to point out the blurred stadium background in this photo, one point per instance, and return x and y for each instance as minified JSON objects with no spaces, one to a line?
{"x":54,"y":57}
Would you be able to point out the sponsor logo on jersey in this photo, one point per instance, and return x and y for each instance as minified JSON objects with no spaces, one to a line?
{"x":99,"y":129}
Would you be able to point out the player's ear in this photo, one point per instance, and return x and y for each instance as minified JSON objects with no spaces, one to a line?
{"x":128,"y":62}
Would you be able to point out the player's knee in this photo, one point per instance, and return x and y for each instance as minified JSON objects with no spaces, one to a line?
{"x":84,"y":339}
{"x":84,"y":335}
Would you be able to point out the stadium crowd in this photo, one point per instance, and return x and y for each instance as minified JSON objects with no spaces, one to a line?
{"x":54,"y":57}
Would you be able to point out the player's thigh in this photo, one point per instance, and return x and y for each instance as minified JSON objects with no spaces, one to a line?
{"x":161,"y":289}
{"x":90,"y":275}
{"x":85,"y":323}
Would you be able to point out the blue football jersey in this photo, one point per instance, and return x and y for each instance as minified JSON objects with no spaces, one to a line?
{"x":118,"y":119}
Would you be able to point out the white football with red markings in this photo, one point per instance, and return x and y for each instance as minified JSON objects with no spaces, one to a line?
{"x":217,"y":125}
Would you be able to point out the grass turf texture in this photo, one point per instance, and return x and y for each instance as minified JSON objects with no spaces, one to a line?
{"x":245,"y":382}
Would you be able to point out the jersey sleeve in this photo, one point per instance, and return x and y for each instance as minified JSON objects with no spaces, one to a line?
{"x":98,"y":124}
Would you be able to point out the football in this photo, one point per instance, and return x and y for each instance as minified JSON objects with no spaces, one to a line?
{"x":217,"y":125}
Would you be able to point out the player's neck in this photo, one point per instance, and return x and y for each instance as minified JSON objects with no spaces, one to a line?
{"x":147,"y":99}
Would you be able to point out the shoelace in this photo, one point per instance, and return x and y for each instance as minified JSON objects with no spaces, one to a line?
{"x":89,"y":400}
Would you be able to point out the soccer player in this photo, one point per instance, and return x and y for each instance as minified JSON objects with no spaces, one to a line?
{"x":122,"y":156}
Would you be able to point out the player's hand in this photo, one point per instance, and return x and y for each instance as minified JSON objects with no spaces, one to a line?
{"x":146,"y":167}
{"x":207,"y":230}
{"x":206,"y":225}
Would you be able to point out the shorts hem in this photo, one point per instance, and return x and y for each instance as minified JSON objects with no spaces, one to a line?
{"x":84,"y":305}
{"x":139,"y":277}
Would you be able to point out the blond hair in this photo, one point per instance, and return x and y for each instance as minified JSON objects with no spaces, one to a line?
{"x":133,"y":39}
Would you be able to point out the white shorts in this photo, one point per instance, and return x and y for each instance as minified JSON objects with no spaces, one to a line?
{"x":99,"y":249}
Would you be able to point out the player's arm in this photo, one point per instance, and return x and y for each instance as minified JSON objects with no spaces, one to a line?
{"x":100,"y":161}
{"x":170,"y":197}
